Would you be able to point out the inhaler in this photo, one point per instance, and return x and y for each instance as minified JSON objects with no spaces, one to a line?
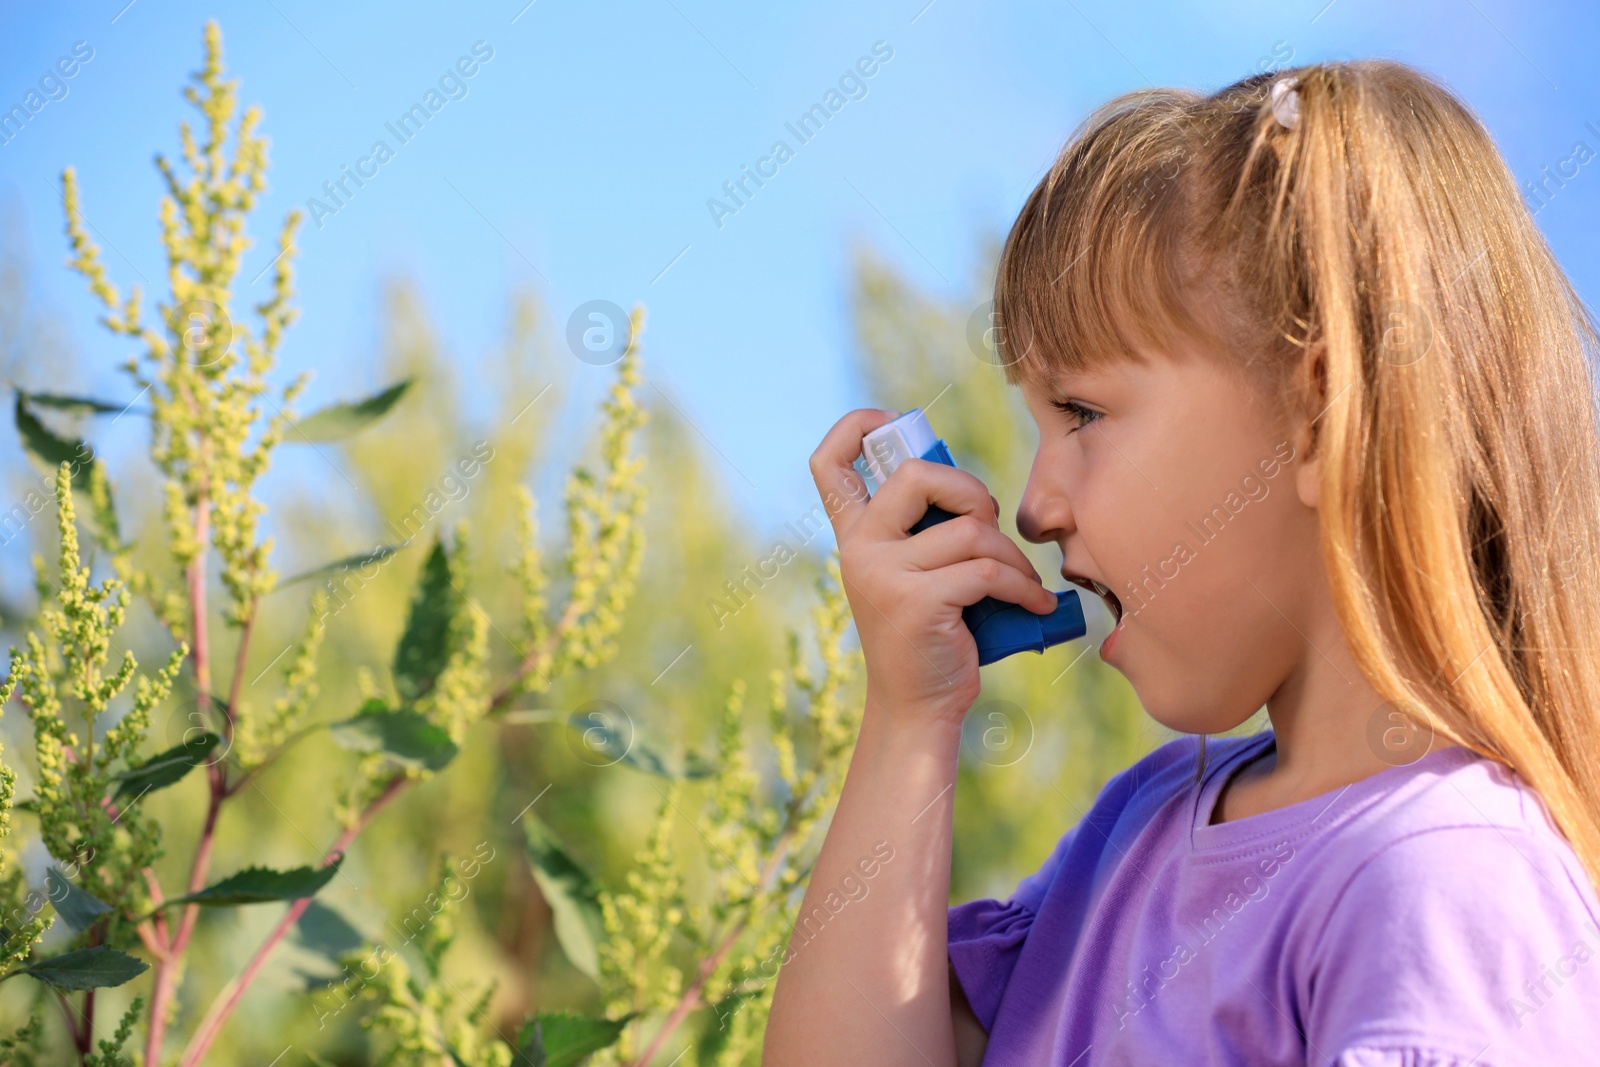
{"x":1000,"y":629}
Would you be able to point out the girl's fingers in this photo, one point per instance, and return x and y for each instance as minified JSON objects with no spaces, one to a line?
{"x":916,"y":483}
{"x":961,"y":538}
{"x":844,"y":494}
{"x":971,"y":580}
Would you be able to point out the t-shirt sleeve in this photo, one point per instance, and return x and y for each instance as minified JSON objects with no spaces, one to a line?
{"x":986,"y":936}
{"x":1469,"y":944}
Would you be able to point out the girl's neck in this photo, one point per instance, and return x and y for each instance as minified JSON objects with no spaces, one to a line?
{"x":1328,"y":725}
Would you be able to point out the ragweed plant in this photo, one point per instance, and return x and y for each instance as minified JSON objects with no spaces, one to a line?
{"x":605,"y":534}
{"x":662,"y":958}
{"x":759,"y":843}
{"x":216,"y":420}
{"x":87,"y":818}
{"x":84,"y":814}
{"x":425,"y":1018}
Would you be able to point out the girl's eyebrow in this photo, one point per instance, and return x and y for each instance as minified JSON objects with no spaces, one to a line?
{"x":1064,"y":383}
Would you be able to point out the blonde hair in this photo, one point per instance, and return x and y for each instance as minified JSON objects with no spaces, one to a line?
{"x":1455,"y":419}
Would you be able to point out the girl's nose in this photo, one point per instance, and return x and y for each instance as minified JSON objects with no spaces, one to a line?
{"x":1045,"y":513}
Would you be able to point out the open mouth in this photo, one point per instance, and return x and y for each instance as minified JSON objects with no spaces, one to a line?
{"x":1099,"y":589}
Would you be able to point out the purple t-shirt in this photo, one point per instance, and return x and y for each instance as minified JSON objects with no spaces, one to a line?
{"x":1427,"y":916}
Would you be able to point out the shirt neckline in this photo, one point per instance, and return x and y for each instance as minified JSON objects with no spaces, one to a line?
{"x":1249,"y":830}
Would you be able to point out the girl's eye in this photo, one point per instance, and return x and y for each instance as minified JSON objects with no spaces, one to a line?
{"x":1077,"y":411}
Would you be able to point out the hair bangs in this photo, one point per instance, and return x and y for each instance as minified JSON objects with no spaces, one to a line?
{"x":1098,"y":266}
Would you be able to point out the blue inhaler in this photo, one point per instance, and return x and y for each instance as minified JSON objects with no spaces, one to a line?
{"x":999,"y":628}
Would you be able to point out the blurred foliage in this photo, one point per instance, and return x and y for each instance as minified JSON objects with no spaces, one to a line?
{"x":588,"y":844}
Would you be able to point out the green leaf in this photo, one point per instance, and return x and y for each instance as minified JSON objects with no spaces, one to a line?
{"x":561,"y":1039}
{"x":424,"y":648}
{"x":88,"y":472}
{"x":89,"y":968}
{"x":77,"y":405}
{"x":165,"y":768}
{"x":399,"y":733}
{"x":78,"y":908}
{"x":608,"y":744}
{"x":258,"y":885}
{"x":697,"y":766}
{"x":338,"y":421}
{"x":349,"y":563}
{"x":327,"y":933}
{"x":574,"y":901}
{"x":44,"y":445}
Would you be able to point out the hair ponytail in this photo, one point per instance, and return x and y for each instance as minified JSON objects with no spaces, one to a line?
{"x":1460,"y":472}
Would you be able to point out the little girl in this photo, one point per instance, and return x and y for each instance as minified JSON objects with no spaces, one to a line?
{"x":1317,"y":423}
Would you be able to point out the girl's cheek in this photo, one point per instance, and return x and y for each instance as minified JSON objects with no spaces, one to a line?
{"x":1123,"y":534}
{"x":1160,"y":567}
{"x":1138,"y":522}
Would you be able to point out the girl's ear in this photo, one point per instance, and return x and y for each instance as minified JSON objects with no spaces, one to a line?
{"x":1314,"y":393}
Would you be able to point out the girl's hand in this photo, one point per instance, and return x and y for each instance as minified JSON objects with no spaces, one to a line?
{"x":907,"y":592}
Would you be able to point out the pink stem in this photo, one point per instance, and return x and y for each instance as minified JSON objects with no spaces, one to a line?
{"x":230,"y":996}
{"x":166,"y":975}
{"x":691,"y":996}
{"x":86,"y":1039}
{"x":509,"y":690}
{"x":708,"y":966}
{"x":238,"y":672}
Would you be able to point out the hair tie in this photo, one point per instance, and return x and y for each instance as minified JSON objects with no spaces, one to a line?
{"x":1286,"y":102}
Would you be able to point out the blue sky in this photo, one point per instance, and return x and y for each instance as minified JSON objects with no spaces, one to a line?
{"x":580,"y":157}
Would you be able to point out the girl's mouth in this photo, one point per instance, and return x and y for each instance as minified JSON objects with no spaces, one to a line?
{"x":1101,"y":590}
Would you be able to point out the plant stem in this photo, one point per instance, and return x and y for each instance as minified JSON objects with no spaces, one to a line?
{"x":86,"y":1043}
{"x":229,"y":997}
{"x":708,"y":966}
{"x":238,"y":671}
{"x":196,"y":573}
{"x":157,"y":898}
{"x":691,"y":996}
{"x":152,"y":944}
{"x":510,"y":689}
{"x":166,"y":967}
{"x":66,"y":1012}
